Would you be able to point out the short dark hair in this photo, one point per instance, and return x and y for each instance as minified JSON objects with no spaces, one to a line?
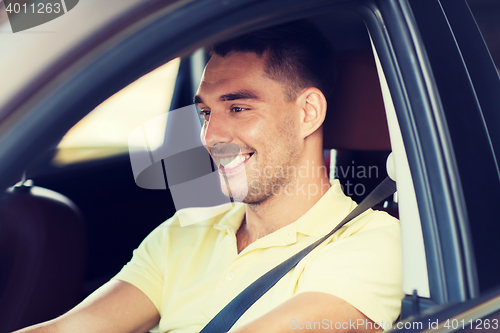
{"x":298,"y":55}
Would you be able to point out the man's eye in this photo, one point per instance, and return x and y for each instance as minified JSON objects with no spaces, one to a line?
{"x":237,"y":109}
{"x":204,"y":113}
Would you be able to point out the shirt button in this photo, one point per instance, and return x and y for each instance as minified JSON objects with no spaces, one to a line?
{"x":230,"y":276}
{"x":230,"y":241}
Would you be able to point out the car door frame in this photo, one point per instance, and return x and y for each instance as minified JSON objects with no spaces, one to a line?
{"x":422,"y":55}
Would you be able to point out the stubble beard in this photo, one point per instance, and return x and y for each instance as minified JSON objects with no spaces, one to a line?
{"x":259,"y":186}
{"x":265,"y":188}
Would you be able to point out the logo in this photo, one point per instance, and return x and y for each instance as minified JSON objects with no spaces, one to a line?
{"x":25,"y":15}
{"x":183,"y":165}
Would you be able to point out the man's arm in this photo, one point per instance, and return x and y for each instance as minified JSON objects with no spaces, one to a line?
{"x":330,"y":313}
{"x":117,"y":307}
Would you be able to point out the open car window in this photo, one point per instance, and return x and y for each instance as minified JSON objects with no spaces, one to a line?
{"x":104,"y":132}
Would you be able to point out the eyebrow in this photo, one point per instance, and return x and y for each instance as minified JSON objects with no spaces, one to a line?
{"x":197,"y":99}
{"x":237,"y":95}
{"x":242,"y":94}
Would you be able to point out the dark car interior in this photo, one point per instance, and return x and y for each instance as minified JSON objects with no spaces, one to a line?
{"x":67,"y":230}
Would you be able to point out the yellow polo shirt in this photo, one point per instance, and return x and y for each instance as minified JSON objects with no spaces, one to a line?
{"x":190,"y":273}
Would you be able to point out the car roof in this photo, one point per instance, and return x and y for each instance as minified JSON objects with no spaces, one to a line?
{"x":36,"y":52}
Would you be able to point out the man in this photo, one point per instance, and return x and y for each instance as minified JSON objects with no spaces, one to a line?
{"x":262,"y":97}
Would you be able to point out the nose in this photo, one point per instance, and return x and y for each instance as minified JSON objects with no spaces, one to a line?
{"x":217,"y":129}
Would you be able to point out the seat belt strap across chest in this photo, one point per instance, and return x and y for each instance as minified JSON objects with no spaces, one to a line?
{"x":228,"y":316}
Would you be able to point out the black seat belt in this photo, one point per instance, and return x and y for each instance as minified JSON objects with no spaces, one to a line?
{"x":226,"y":317}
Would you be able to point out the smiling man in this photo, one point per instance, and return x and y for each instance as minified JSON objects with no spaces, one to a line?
{"x":278,"y":132}
{"x":262,"y":97}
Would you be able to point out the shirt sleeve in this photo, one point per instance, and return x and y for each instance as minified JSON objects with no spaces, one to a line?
{"x":364,"y":269}
{"x":146,"y":268}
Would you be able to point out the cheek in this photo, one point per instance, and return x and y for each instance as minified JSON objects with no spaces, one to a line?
{"x":252,"y":132}
{"x":289,"y":129}
{"x":202,"y":136}
{"x":203,"y":133}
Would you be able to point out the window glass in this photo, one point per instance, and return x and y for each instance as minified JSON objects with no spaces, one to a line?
{"x":487,"y":16}
{"x":105,"y":131}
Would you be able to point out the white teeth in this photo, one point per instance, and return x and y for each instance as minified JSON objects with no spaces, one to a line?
{"x":231,"y":163}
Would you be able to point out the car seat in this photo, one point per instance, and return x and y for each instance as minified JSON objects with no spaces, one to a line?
{"x":356,"y":127}
{"x":42,"y":256}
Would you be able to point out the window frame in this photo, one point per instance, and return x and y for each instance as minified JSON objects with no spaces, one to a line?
{"x":405,"y":32}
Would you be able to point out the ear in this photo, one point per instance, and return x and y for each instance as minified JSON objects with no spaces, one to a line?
{"x":312,"y":105}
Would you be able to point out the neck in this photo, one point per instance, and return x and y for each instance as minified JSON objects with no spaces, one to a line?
{"x":279,"y":210}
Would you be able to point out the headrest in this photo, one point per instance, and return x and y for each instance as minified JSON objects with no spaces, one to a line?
{"x":356,"y":118}
{"x":391,"y":167}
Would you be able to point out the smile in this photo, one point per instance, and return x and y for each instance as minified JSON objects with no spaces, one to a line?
{"x":231,"y":164}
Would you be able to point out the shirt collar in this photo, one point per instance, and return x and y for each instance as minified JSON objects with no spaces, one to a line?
{"x":333,"y":206}
{"x":231,"y":221}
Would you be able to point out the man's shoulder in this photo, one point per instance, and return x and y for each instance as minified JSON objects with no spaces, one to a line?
{"x":373,"y":221}
{"x":374,"y":232}
{"x":380,"y":216}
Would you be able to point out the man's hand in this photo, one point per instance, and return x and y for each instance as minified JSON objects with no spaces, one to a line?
{"x":310,"y":307}
{"x":117,"y":307}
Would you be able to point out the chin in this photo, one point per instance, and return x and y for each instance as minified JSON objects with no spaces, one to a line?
{"x":237,"y":191}
{"x":255,"y":198}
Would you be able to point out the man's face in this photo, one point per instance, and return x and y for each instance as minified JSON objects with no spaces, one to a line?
{"x":245,"y":109}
